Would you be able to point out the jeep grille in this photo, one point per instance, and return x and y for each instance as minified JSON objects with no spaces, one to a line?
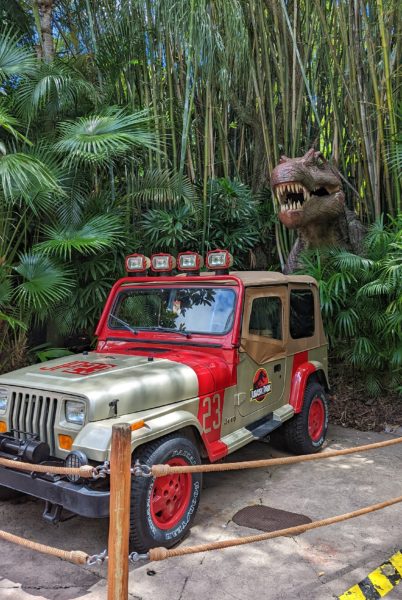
{"x":34,"y":413}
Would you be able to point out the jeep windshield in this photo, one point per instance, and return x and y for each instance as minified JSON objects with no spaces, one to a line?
{"x":182,"y":310}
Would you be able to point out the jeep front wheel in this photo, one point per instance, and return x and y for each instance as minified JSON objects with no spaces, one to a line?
{"x":163,"y":508}
{"x":305,"y":433}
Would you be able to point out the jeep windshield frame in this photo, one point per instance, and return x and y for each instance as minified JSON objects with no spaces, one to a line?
{"x":183,"y":309}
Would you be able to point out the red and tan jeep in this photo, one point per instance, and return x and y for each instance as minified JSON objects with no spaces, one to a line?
{"x":199,"y":363}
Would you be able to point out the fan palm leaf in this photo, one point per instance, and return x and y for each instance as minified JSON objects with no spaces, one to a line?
{"x":44,"y":282}
{"x":15,"y":60}
{"x":100,"y":138}
{"x":27,"y":177}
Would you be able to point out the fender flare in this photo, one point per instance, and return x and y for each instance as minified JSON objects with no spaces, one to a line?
{"x":95,"y":438}
{"x":300,"y":379}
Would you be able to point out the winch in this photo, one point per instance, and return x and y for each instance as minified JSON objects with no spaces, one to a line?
{"x":29,"y":450}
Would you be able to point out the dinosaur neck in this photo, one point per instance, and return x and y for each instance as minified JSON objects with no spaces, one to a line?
{"x":318,"y":234}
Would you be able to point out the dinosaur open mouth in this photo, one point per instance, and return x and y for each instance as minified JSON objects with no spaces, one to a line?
{"x":292,"y":195}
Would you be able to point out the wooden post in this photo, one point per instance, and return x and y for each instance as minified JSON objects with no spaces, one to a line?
{"x":119,"y":522}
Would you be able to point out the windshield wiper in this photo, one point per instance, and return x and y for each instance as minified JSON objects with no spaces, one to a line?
{"x":126,"y":325}
{"x":186,"y":334}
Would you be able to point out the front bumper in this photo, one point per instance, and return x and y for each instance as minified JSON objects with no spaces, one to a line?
{"x":77,"y":498}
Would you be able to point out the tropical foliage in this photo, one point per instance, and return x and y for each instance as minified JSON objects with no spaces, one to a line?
{"x":361,"y":300}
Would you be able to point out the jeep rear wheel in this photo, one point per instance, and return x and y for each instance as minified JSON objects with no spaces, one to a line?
{"x":163,"y":508}
{"x":305,"y":433}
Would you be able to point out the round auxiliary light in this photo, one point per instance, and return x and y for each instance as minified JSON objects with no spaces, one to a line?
{"x":137,"y":263}
{"x":162,"y":263}
{"x":219,"y":260}
{"x":189,"y":261}
{"x":75,"y":460}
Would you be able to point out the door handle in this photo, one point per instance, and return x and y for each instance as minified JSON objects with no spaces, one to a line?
{"x":277,"y":368}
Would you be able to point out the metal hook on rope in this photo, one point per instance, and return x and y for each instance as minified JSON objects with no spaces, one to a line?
{"x":134,"y":557}
{"x":141,"y":470}
{"x":97,"y":559}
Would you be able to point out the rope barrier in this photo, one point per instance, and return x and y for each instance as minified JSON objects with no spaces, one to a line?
{"x":163,"y":470}
{"x":85,"y":471}
{"x":74,"y":556}
{"x":156,"y":554}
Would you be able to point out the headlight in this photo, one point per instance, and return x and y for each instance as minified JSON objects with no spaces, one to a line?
{"x":3,"y":401}
{"x":75,"y":412}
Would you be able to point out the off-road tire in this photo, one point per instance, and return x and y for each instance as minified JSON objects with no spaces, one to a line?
{"x":148,"y":527}
{"x":296,"y":430}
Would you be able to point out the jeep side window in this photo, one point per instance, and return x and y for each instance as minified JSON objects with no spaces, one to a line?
{"x":266,"y":317}
{"x":301,"y":322}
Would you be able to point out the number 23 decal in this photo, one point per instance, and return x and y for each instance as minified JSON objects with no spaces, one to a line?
{"x":211,"y":413}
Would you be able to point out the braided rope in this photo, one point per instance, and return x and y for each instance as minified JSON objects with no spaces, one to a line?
{"x":74,"y":556}
{"x":85,"y":471}
{"x":162,"y":470}
{"x":163,"y":553}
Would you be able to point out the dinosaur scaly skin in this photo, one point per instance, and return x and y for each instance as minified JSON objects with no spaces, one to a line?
{"x":311,"y":200}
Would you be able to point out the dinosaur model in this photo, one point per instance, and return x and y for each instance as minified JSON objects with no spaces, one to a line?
{"x":310,"y":199}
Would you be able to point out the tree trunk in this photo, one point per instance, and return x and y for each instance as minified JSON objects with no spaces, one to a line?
{"x":45,"y":8}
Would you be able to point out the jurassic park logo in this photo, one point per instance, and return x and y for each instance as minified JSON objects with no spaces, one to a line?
{"x":261,"y":386}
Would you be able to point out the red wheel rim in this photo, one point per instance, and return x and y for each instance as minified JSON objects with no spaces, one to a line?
{"x":316,"y":417}
{"x":170,"y":496}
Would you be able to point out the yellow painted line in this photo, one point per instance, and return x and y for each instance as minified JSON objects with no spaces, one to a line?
{"x":396,"y":561}
{"x":379,"y":582}
{"x":354,"y":593}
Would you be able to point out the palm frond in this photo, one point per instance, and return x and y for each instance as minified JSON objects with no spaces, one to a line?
{"x":375,"y":288}
{"x":26,"y":177}
{"x":44,"y":282}
{"x":95,"y":235}
{"x":54,"y":86}
{"x":100,"y":138}
{"x":346,"y":322}
{"x":15,"y":60}
{"x":6,"y":290}
{"x":9,"y":123}
{"x":13,"y":322}
{"x":163,"y":187}
{"x":344,"y":260}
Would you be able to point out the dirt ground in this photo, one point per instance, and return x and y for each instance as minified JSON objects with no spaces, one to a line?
{"x":350,"y":406}
{"x":317,"y":565}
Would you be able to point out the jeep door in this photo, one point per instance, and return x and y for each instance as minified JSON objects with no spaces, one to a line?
{"x":262,"y":368}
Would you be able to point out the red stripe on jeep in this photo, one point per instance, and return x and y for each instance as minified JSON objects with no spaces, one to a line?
{"x":301,"y":370}
{"x":210,"y":411}
{"x":213,"y":373}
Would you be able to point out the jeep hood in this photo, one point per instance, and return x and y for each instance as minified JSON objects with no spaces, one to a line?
{"x":137,"y":382}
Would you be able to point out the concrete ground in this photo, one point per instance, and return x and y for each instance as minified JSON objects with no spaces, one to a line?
{"x":316,"y":565}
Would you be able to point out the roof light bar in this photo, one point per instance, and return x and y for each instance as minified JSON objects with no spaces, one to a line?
{"x":137,"y":264}
{"x":191,"y":262}
{"x":220,"y":261}
{"x":162,"y":263}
